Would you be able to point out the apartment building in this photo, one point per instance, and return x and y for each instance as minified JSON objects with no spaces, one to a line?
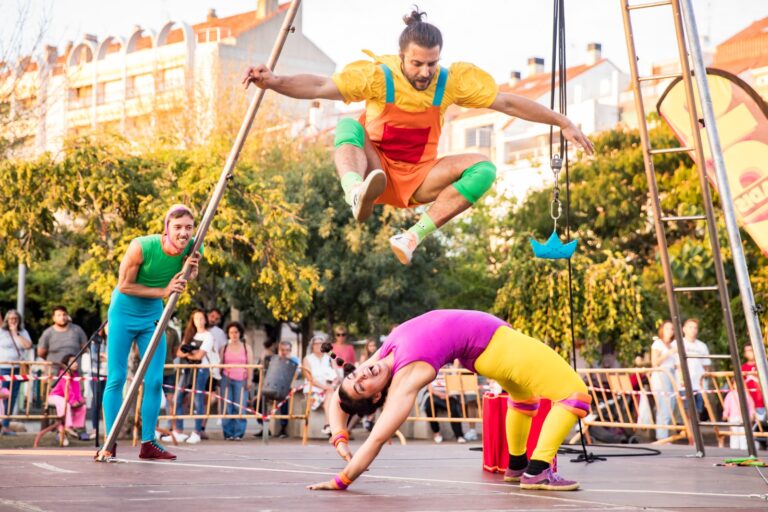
{"x":181,"y":80}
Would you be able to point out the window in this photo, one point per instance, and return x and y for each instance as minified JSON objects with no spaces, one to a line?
{"x":172,"y":78}
{"x":80,"y":97}
{"x":478,"y":137}
{"x":140,"y":85}
{"x":110,"y":91}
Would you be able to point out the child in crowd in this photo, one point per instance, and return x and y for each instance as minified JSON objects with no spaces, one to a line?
{"x":68,"y":399}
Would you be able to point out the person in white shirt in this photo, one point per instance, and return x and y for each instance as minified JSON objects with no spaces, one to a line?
{"x":14,"y":341}
{"x":696,"y":367}
{"x":324,"y":378}
{"x":664,"y":358}
{"x":214,"y":327}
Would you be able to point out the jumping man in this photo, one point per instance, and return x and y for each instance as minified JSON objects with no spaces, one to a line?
{"x":390,"y":155}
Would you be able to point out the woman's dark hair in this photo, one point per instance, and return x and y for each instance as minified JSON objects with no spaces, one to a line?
{"x":236,"y":325}
{"x":360,"y":406}
{"x":419,"y":32}
{"x":191,"y":330}
{"x":65,"y":361}
{"x":352,"y":406}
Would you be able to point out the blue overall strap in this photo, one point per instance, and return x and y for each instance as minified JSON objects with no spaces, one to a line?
{"x":440,"y":89}
{"x":390,"y":84}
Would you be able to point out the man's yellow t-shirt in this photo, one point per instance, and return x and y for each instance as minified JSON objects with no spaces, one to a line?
{"x":363,"y":80}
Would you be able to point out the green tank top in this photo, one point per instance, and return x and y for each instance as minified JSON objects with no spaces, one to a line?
{"x":158,"y":268}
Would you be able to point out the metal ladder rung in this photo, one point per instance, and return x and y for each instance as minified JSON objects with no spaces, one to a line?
{"x":670,"y":150}
{"x":707,"y":356}
{"x":718,"y":424}
{"x":672,"y":218}
{"x":713,"y":288}
{"x":650,"y":78}
{"x":648,"y":4}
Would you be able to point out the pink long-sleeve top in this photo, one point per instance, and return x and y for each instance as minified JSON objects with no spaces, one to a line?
{"x":75,"y":394}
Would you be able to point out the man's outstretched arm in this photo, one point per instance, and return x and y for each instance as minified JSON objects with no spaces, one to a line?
{"x":517,"y":106}
{"x":304,"y":87}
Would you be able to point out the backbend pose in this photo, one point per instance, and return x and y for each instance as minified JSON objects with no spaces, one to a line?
{"x":390,"y":155}
{"x":410,"y":359}
{"x":149,"y":272}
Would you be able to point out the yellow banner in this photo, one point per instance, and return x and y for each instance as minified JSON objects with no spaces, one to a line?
{"x":742,"y":122}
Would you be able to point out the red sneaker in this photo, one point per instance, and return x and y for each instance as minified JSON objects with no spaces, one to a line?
{"x":153,"y":451}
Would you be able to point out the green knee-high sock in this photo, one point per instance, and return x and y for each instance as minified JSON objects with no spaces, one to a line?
{"x":348,"y":182}
{"x":424,"y":227}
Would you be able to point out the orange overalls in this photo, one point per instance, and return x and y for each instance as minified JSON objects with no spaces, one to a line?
{"x":406,"y":142}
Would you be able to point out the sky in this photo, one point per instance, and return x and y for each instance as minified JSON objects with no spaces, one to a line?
{"x":497,"y":35}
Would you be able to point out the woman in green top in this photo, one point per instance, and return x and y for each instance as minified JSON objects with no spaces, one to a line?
{"x":150,"y":271}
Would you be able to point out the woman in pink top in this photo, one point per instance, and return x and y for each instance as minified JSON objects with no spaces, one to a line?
{"x":68,"y":399}
{"x":234,"y":383}
{"x":341,"y":348}
{"x":411,"y":358}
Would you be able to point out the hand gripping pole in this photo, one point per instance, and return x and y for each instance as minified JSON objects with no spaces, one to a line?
{"x":108,"y":447}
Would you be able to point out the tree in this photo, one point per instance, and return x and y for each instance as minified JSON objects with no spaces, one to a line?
{"x":362,"y":284}
{"x":28,"y":195}
{"x":617,"y":275}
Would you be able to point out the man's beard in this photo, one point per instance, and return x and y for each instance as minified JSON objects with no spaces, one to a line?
{"x":416,"y":84}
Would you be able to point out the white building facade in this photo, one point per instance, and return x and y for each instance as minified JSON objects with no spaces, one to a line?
{"x":178,"y":78}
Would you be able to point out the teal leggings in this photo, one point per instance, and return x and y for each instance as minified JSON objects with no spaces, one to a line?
{"x":133,"y":318}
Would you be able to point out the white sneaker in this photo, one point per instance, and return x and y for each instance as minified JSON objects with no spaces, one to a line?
{"x":438,"y":438}
{"x":194,"y":438}
{"x":366,"y":193}
{"x":461,"y":440}
{"x":180,"y":437}
{"x":403,"y":246}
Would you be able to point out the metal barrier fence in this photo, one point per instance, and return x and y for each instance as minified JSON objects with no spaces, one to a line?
{"x":259,"y":407}
{"x":637,"y":399}
{"x":643,"y":399}
{"x":719,"y":385}
{"x":33,"y":382}
{"x":460,"y":386}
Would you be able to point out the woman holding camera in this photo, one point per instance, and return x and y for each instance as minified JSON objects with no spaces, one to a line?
{"x":150,"y":271}
{"x":196,"y":347}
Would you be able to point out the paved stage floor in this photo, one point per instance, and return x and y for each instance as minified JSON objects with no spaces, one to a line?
{"x":251,"y":475}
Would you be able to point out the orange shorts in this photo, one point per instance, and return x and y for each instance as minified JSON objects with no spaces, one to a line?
{"x":403,"y":179}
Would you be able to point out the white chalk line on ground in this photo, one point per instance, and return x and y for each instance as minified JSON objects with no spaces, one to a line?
{"x":49,"y":467}
{"x":441,"y":481}
{"x":20,"y":505}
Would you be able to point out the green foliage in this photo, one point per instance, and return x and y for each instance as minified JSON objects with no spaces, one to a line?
{"x":362,"y":283}
{"x":28,"y":196}
{"x":104,"y":196}
{"x":618,"y":283}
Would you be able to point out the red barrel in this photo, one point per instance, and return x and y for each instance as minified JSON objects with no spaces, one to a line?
{"x":495,"y":452}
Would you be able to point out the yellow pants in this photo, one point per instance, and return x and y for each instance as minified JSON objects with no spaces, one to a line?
{"x":528,"y":369}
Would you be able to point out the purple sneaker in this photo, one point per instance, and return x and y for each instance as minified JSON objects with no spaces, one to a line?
{"x":547,"y":480}
{"x":513,"y":475}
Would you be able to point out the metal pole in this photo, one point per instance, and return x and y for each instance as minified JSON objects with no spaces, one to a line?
{"x":20,"y":294}
{"x":210,"y":211}
{"x":724,"y":189}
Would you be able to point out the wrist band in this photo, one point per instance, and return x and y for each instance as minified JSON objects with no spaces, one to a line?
{"x":342,"y":481}
{"x":341,"y":436}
